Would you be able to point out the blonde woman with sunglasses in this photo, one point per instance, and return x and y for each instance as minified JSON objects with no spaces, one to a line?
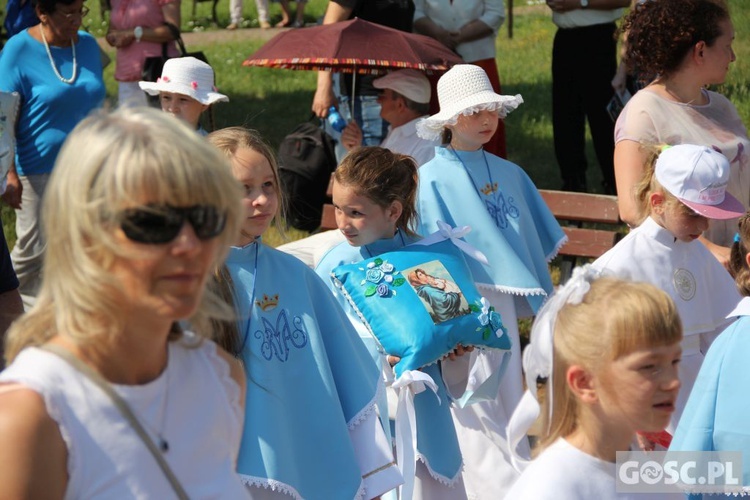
{"x":106,"y":395}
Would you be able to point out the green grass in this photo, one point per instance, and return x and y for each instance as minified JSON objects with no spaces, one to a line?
{"x":275,"y":101}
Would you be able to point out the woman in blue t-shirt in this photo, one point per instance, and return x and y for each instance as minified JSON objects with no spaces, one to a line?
{"x":57,"y":71}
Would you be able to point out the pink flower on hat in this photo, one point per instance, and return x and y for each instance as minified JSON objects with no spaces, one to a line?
{"x":162,"y":79}
{"x":194,"y":84}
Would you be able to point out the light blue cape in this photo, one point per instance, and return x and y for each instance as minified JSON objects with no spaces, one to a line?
{"x":310,"y":378}
{"x":513,"y":226}
{"x":717,"y":414}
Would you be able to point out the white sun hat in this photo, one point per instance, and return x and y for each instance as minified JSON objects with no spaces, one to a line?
{"x":465,"y":89}
{"x":188,"y":76}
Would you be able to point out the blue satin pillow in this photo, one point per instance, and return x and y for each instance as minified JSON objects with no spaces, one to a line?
{"x":420,"y":302}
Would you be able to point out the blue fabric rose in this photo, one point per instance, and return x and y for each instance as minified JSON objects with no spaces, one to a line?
{"x":374,"y":275}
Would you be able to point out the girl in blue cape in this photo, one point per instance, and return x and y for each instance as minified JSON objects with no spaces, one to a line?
{"x":311,"y":425}
{"x":716,"y":414}
{"x":374,"y":191}
{"x":466,"y":186}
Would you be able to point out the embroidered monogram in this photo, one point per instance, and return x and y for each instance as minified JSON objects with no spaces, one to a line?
{"x":277,"y":340}
{"x":501,"y":209}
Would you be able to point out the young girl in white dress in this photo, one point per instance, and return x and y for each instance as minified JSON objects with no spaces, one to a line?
{"x":466,"y":186}
{"x":683,"y":190}
{"x":311,"y":426}
{"x":610,"y":350}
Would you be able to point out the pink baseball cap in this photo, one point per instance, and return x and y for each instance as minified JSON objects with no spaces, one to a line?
{"x":698,"y":177}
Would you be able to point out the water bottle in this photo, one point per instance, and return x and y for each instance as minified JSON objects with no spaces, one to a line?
{"x":335,"y":119}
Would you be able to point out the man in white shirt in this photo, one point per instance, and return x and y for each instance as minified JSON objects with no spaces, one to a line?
{"x":404,"y":99}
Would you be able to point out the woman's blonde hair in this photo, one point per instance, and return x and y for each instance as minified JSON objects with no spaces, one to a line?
{"x":113,"y":161}
{"x":649,"y":185}
{"x":615,"y":318}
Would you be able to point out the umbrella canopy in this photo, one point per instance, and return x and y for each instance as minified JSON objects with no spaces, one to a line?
{"x":353,"y":46}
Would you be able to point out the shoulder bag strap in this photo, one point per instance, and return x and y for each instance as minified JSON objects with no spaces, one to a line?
{"x":177,"y":38}
{"x":124,"y":409}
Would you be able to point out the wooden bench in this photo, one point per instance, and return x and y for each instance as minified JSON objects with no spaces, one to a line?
{"x":576,"y":213}
{"x":572,"y":211}
{"x":328,"y":218}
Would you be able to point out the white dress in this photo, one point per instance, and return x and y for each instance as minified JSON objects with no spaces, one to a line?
{"x":194,"y":404}
{"x":563,"y":472}
{"x":702,"y":289}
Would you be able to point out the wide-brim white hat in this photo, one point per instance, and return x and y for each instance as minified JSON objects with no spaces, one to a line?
{"x":188,"y":76}
{"x":464,"y":89}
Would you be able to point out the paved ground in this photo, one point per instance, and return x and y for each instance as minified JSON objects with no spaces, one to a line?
{"x":223,"y":35}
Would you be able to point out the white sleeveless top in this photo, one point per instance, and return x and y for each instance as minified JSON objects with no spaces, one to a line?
{"x":194,"y":404}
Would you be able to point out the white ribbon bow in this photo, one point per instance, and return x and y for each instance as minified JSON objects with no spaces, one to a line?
{"x":538,"y":358}
{"x":448,"y":232}
{"x":409,"y":384}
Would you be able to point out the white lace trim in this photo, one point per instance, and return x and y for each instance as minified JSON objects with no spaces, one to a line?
{"x":273,"y":485}
{"x":431,"y":128}
{"x":361,"y":491}
{"x":511,"y":290}
{"x":270,"y":484}
{"x":365,"y":412}
{"x":224,"y":373}
{"x":449,"y":482}
{"x":557,"y":248}
{"x":714,"y":489}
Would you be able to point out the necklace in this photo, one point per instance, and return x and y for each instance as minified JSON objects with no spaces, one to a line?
{"x":162,"y":441}
{"x":252,"y":303}
{"x":679,"y":99}
{"x":487,"y":190}
{"x":52,"y":61}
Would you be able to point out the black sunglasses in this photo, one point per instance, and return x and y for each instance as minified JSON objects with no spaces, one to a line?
{"x":162,"y":223}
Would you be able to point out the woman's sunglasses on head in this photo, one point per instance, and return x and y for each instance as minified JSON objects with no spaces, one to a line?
{"x":162,"y":223}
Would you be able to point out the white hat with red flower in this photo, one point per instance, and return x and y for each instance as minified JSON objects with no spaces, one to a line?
{"x":187,"y":76}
